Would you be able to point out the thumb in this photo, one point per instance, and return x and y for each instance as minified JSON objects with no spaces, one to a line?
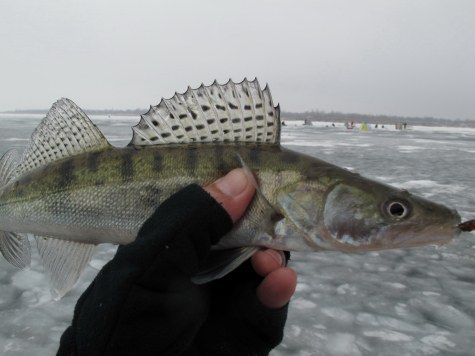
{"x":234,"y":192}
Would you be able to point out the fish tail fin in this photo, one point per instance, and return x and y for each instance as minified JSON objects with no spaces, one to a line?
{"x":15,"y":247}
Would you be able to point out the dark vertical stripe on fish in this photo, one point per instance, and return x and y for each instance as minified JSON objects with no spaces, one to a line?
{"x":219,"y":156}
{"x":157,"y":162}
{"x":127,"y":167}
{"x":191,"y":160}
{"x":65,"y":174}
{"x":91,"y":161}
{"x":255,"y":156}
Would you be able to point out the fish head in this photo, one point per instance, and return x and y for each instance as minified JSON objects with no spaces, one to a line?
{"x":355,"y":215}
{"x":382,"y":217}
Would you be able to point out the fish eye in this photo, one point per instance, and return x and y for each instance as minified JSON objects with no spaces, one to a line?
{"x":397,"y":209}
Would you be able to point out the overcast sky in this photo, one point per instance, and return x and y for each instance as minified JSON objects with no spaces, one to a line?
{"x":400,"y":57}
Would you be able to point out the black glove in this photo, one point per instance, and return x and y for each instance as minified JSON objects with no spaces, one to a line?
{"x":143,"y":301}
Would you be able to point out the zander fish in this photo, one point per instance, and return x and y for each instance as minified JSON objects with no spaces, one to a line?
{"x":72,"y":190}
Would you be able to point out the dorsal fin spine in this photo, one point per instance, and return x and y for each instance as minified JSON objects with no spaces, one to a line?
{"x":213,"y":107}
{"x":174,"y":113}
{"x":275,"y":128}
{"x":233,"y":88}
{"x":139,"y":133}
{"x":182,"y":98}
{"x":266,"y":91}
{"x":218,"y":122}
{"x":226,"y":106}
{"x":55,"y":122}
{"x":264,"y":105}
{"x":59,"y":121}
{"x":59,"y":118}
{"x":199,"y":106}
{"x":157,"y":112}
{"x":176,"y":116}
{"x":163,"y":121}
{"x":178,"y":121}
{"x":253,"y":105}
{"x":145,"y":118}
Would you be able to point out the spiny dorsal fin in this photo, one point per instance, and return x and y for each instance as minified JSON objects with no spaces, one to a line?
{"x":64,"y":261}
{"x":65,"y":131}
{"x":216,"y":113}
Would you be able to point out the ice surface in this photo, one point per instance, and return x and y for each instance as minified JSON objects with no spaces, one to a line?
{"x":401,"y":302}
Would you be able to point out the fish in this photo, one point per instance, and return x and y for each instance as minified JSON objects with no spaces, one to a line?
{"x":72,"y":190}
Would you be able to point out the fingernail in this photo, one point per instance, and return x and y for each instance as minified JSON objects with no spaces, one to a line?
{"x":277,"y":256}
{"x":233,"y":183}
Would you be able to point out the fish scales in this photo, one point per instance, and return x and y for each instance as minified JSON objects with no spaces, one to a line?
{"x":123,"y":177}
{"x":72,"y":190}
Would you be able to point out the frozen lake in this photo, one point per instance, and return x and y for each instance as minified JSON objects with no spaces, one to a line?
{"x":400,"y":302}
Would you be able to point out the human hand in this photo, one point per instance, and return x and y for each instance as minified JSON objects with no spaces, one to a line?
{"x":279,"y":282}
{"x":144,"y":301}
{"x":248,"y":307}
{"x":234,"y":192}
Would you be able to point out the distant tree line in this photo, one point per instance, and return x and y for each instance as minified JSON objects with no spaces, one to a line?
{"x":375,"y":119}
{"x":315,"y":115}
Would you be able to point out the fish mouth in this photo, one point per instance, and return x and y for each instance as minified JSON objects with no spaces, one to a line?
{"x":409,"y":237}
{"x":431,"y":236}
{"x":430,"y":232}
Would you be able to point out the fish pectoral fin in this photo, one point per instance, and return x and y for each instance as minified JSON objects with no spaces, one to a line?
{"x":15,"y":248}
{"x":64,"y":262}
{"x":221,"y":262}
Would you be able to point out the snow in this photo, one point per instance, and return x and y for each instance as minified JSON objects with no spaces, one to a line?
{"x":400,"y":302}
